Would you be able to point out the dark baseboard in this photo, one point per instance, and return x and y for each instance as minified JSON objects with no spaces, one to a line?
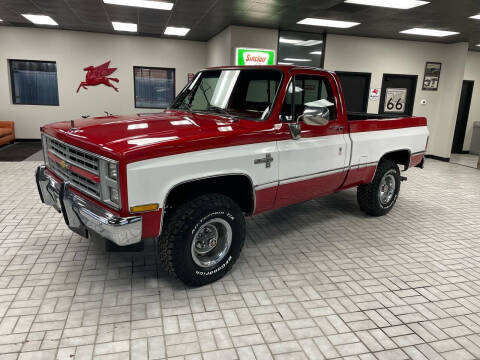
{"x":435,"y":157}
{"x":27,"y":140}
{"x":463,"y":152}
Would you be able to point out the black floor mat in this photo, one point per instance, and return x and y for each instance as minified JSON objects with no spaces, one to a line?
{"x":19,"y":151}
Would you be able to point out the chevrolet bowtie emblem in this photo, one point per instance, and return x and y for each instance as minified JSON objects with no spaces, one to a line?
{"x":64,"y":165}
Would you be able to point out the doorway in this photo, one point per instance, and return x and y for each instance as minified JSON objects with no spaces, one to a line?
{"x":398,"y":94}
{"x":356,"y":87}
{"x":462,"y":117}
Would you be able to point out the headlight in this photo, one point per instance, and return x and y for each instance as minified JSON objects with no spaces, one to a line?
{"x":112,"y":171}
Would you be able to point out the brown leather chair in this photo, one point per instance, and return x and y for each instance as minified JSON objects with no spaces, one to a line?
{"x":7,"y":132}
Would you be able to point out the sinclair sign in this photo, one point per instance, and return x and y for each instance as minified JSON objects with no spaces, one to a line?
{"x":254,"y":57}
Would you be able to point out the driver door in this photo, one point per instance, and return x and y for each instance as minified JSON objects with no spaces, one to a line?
{"x":315,"y":164}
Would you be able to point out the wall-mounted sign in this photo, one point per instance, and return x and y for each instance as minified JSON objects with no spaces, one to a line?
{"x":432,"y":76}
{"x":254,"y":57}
{"x":374,"y":94}
{"x":395,"y":100}
{"x":97,"y":75}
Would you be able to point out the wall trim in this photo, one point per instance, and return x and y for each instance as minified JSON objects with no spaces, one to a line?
{"x":435,"y":157}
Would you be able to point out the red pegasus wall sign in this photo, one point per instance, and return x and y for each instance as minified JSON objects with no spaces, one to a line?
{"x":97,"y":75}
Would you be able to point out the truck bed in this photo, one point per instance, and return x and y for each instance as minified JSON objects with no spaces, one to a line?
{"x":366,"y":116}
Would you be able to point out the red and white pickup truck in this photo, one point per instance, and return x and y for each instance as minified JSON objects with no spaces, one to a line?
{"x":237,"y":141}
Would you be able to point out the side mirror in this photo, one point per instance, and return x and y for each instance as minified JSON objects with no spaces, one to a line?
{"x":316,"y":116}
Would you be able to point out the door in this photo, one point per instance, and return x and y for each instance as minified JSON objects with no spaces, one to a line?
{"x":462,"y":117}
{"x":398,"y":94}
{"x":315,"y":164}
{"x":356,"y":87}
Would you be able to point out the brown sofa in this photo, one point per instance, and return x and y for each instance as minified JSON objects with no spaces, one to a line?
{"x":7,"y":132}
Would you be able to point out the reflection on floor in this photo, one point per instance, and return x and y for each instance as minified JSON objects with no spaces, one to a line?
{"x":469,"y":160}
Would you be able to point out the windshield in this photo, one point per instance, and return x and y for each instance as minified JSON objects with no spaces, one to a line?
{"x":246,"y":93}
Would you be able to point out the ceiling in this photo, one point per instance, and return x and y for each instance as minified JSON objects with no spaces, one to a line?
{"x":206,"y":18}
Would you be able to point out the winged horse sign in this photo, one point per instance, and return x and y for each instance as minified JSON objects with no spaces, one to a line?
{"x":97,"y":75}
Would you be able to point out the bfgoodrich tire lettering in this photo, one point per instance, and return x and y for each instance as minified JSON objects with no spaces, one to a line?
{"x":368,"y":195}
{"x":176,"y":244}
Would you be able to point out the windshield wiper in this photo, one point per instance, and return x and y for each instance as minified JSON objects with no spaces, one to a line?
{"x":218,"y":108}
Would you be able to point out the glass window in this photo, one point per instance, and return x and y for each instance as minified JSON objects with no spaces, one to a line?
{"x":34,"y":82}
{"x":307,"y":89}
{"x":301,"y":49}
{"x":248,"y":93}
{"x":154,"y":87}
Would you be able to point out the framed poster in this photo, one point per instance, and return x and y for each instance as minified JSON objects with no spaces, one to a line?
{"x":432,"y":76}
{"x":254,"y":57}
{"x":395,"y":99}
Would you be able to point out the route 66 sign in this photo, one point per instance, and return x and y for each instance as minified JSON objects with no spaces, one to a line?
{"x":395,"y":100}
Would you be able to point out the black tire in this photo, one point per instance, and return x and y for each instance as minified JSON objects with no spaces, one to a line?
{"x":175,"y":243}
{"x":368,"y":195}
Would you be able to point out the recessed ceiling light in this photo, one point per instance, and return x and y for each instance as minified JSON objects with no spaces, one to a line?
{"x":476,"y":17}
{"x":289,"y":41}
{"x":177,"y":31}
{"x":288,"y":63}
{"x":1,"y":20}
{"x":316,"y":53}
{"x":328,"y":23}
{"x":477,"y":45}
{"x":396,"y":4}
{"x":121,"y":26}
{"x":295,"y":60}
{"x":40,"y":19}
{"x":429,"y":32}
{"x":149,"y":4}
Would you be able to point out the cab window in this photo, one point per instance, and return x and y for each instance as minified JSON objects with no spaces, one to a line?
{"x":304,"y":89}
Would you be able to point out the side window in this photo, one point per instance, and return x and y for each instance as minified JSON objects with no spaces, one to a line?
{"x":307,"y":88}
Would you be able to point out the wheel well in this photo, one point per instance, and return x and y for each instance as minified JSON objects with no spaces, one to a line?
{"x":239,"y":188}
{"x":401,"y":157}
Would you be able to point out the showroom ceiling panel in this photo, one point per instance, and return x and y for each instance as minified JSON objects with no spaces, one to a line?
{"x":207,"y":17}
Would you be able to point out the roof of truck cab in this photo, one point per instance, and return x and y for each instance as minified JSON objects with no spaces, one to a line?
{"x":278,"y":67}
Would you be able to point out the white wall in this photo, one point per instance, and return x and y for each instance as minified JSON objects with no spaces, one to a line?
{"x":472,"y":72}
{"x":222,"y":47}
{"x":74,"y":51}
{"x":379,"y":56}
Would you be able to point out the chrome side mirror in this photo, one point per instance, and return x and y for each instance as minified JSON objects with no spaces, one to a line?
{"x":316,"y":116}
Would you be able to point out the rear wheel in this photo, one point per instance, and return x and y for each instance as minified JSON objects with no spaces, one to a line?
{"x":379,"y":197}
{"x":202,"y":239}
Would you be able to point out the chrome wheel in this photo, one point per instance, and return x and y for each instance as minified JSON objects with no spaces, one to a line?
{"x":387,"y":188}
{"x":211,"y":242}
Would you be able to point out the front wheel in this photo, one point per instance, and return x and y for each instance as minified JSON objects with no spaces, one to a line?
{"x":379,"y":197}
{"x":203,"y":238}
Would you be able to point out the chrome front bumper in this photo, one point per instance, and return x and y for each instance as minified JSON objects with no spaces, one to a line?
{"x":82,"y":215}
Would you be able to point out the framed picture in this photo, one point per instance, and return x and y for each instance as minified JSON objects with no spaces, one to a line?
{"x":432,"y":76}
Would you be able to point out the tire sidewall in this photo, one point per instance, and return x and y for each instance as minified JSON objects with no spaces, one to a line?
{"x":184,"y":261}
{"x":396,"y":173}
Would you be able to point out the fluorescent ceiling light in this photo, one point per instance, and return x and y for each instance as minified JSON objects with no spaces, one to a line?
{"x":476,"y":17}
{"x":177,"y":31}
{"x":121,"y":26}
{"x":316,"y":53}
{"x":1,"y":20}
{"x":396,"y":4}
{"x":429,"y":32}
{"x":289,"y":63}
{"x":289,"y":41}
{"x":295,"y":60}
{"x":149,"y":4}
{"x":328,"y":23}
{"x":40,"y":19}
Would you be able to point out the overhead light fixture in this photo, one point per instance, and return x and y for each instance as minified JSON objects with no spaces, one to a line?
{"x":1,"y":20}
{"x":121,"y":26}
{"x":289,"y":41}
{"x":476,"y":17}
{"x":176,"y":31}
{"x":316,"y":53}
{"x":40,"y":19}
{"x":288,"y":63}
{"x":395,"y":4}
{"x":296,"y":60}
{"x":328,"y":23}
{"x":148,"y":4}
{"x":429,"y":32}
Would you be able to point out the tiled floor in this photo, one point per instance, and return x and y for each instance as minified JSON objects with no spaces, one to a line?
{"x":470,"y":160}
{"x":316,"y":280}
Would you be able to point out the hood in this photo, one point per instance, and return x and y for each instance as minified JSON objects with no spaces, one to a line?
{"x":157,"y":134}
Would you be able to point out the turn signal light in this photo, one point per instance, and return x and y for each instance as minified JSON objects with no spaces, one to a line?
{"x":144,"y":208}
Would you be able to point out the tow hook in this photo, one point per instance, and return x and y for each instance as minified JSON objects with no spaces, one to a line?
{"x":403,"y":178}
